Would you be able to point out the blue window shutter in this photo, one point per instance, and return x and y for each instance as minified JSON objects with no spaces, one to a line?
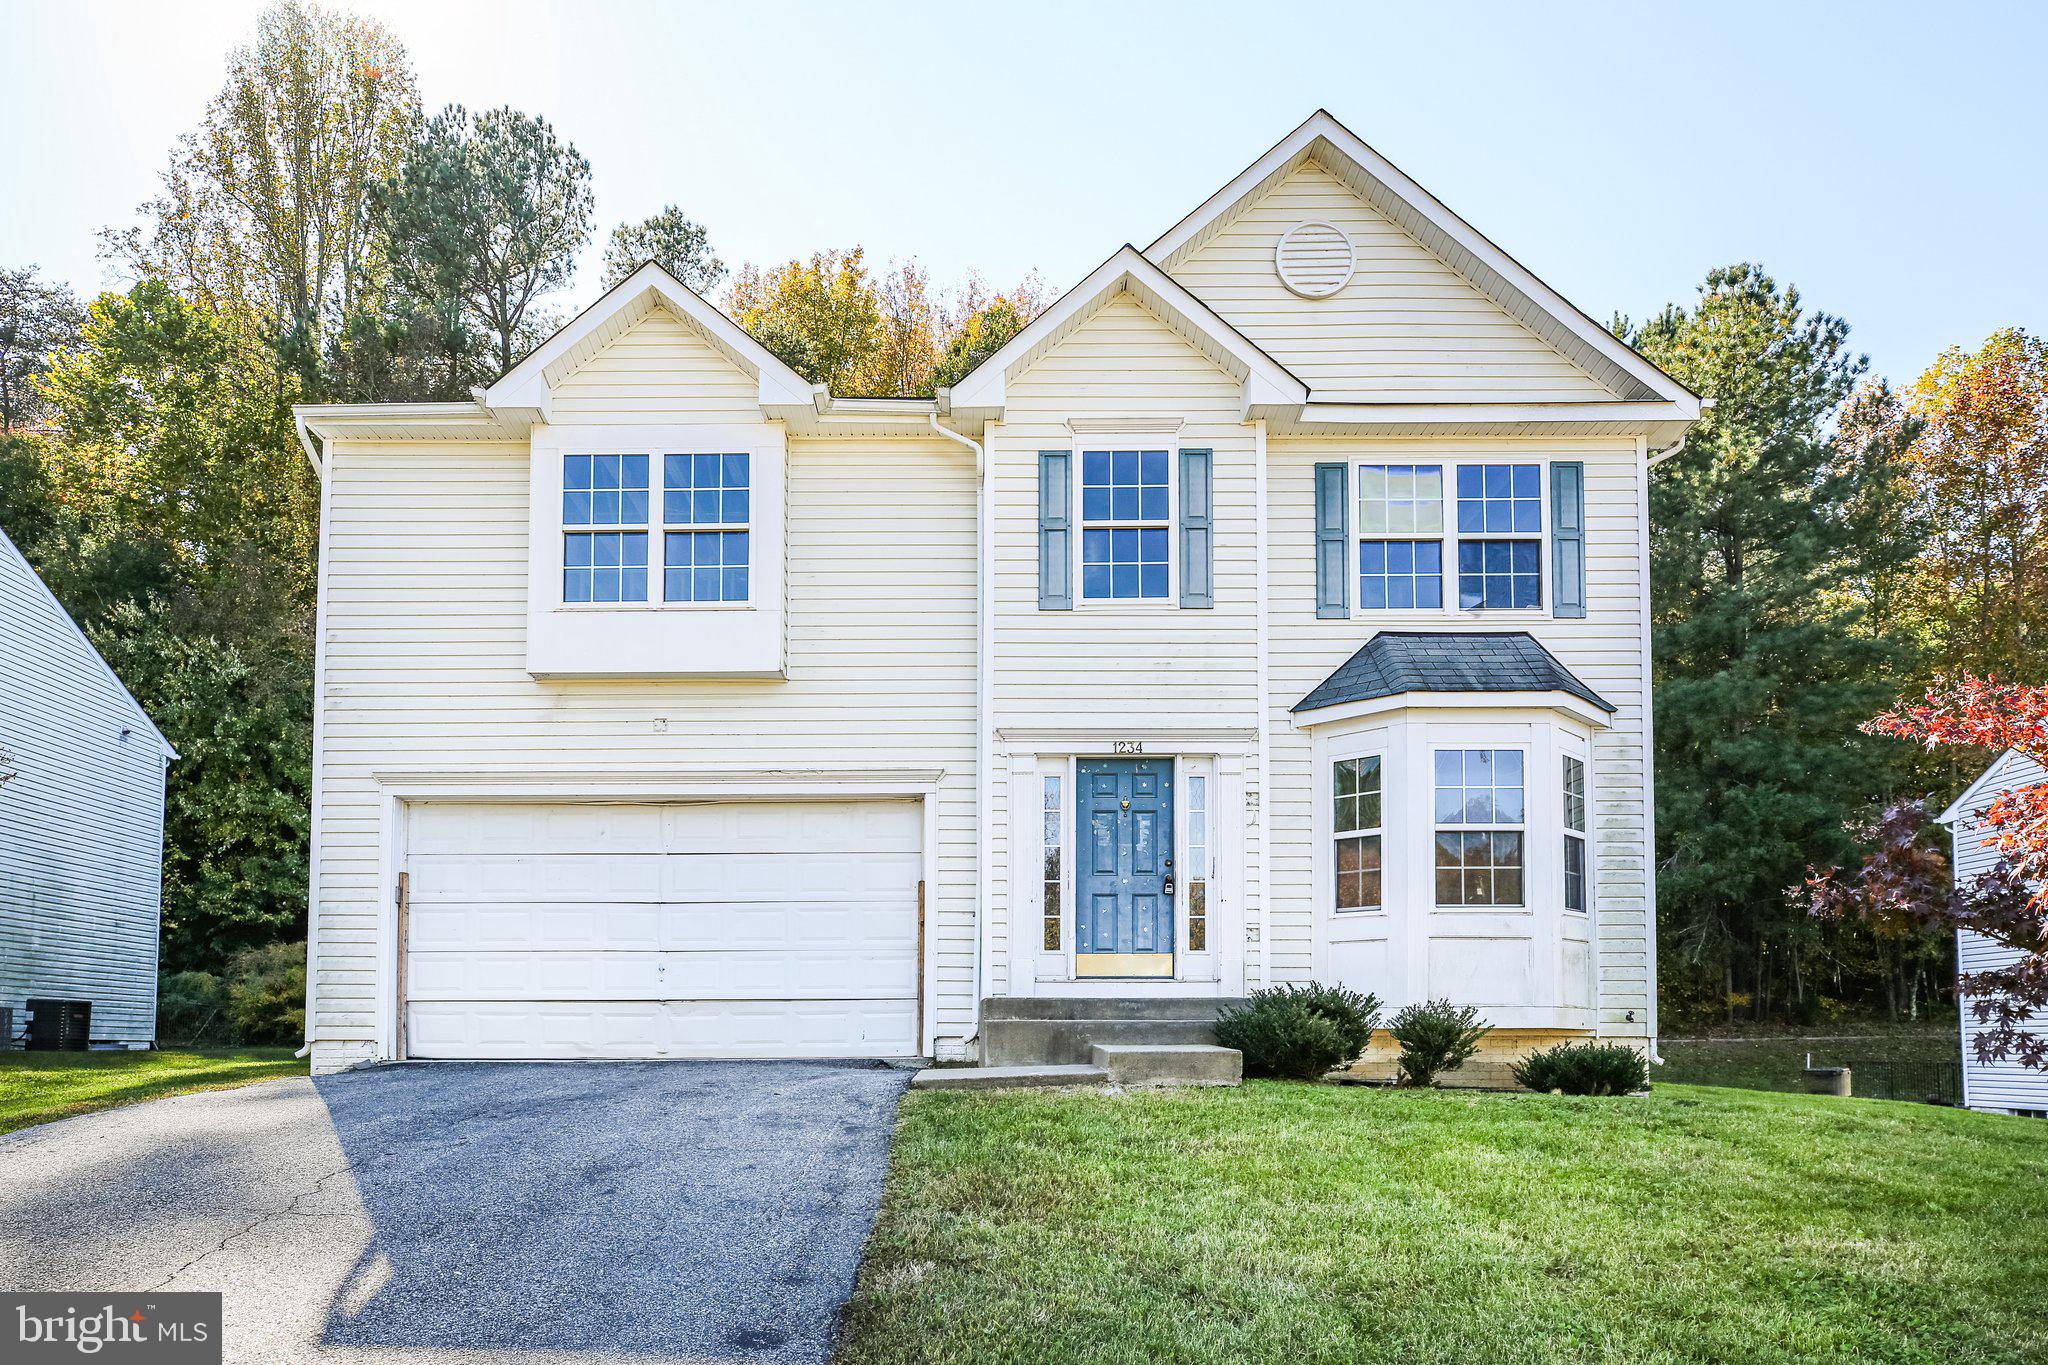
{"x":1055,"y":530}
{"x":1333,"y":542}
{"x":1197,"y":535}
{"x":1568,"y":538}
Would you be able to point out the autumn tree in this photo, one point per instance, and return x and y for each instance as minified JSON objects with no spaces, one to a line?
{"x":266,"y":206}
{"x":983,"y":323}
{"x":680,"y":245}
{"x":37,"y":318}
{"x":1979,"y":468}
{"x":485,"y":217}
{"x":1905,"y":879}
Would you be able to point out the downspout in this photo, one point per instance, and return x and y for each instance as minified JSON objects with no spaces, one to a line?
{"x":1650,"y":745}
{"x":983,"y":756}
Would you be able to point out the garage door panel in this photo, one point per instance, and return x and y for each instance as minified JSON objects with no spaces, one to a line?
{"x":793,"y":826}
{"x":769,"y":929}
{"x":805,"y":974}
{"x":877,"y":1028}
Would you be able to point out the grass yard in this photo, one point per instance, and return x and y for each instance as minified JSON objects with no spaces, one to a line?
{"x":1324,"y":1223}
{"x":36,"y":1087}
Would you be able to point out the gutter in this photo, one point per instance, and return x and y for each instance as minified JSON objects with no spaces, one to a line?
{"x":983,"y":748}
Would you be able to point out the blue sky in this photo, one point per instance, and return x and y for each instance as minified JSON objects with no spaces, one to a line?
{"x":1886,"y":158}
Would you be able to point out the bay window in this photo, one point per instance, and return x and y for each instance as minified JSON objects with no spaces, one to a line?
{"x":1356,"y":794}
{"x":1481,"y":817}
{"x":1574,"y":834}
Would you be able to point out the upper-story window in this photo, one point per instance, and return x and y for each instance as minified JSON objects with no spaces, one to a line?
{"x":706,"y":504}
{"x":604,"y":528}
{"x":1494,"y":536}
{"x":1500,"y":536}
{"x":1126,"y":524}
{"x":1480,"y":820}
{"x":705,"y":509}
{"x":1400,"y":536}
{"x":1574,"y":833}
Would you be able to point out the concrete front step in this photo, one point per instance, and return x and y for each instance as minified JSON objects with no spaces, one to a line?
{"x":1005,"y":1077}
{"x":1170,"y":1064}
{"x":1027,"y":1042}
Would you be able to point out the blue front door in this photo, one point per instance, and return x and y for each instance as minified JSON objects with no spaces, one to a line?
{"x":1123,"y":919}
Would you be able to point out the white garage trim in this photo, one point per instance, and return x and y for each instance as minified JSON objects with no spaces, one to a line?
{"x":400,"y":788}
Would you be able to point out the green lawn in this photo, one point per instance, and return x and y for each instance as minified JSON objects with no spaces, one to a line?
{"x":1325,"y":1223}
{"x":36,"y":1087}
{"x":1904,"y":1061}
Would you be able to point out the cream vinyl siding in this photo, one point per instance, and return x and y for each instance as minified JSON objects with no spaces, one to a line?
{"x":424,"y":653}
{"x":1123,"y":664}
{"x":1605,"y":649}
{"x":2010,"y":1084}
{"x":81,"y":820}
{"x":1407,"y":328}
{"x":660,"y":370}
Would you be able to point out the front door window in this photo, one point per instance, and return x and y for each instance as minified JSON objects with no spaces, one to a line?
{"x":1123,"y":912}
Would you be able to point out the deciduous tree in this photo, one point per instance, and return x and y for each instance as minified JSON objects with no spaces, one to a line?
{"x":37,"y":318}
{"x":266,"y":207}
{"x":1905,"y":879}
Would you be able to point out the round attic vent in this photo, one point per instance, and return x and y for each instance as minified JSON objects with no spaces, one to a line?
{"x":1315,"y":259}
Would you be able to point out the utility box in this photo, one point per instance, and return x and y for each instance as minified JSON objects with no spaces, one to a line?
{"x":59,"y":1025}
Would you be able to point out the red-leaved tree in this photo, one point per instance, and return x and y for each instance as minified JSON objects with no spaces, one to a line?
{"x":1906,"y":877}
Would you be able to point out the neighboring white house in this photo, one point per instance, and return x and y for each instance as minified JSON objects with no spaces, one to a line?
{"x":1274,"y":607}
{"x":2008,"y":1087}
{"x":81,"y":820}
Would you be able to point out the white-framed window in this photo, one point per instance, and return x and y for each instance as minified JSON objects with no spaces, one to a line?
{"x":1481,"y":523}
{"x":1198,"y":863}
{"x":1357,"y":809}
{"x":1481,"y":822}
{"x":1574,"y":834}
{"x":604,"y":528}
{"x":1500,"y":536}
{"x":1052,"y":924}
{"x":706,"y":523}
{"x":1126,"y":498}
{"x":1400,"y":536}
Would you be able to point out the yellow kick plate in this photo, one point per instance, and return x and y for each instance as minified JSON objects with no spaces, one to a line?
{"x":1123,"y":964}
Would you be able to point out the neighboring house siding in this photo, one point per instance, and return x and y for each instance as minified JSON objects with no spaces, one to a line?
{"x":1605,"y":650}
{"x":1407,"y":328}
{"x":1992,"y":1085}
{"x":1130,"y":665}
{"x":425,"y":669}
{"x":81,"y":820}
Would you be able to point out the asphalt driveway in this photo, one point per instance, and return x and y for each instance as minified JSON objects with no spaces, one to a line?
{"x":475,"y":1212}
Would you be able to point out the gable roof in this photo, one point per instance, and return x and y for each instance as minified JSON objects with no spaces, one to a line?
{"x":1394,"y":662}
{"x":1422,"y":216}
{"x":40,"y":592}
{"x":1267,"y":383}
{"x":527,"y":384}
{"x":2010,"y":770}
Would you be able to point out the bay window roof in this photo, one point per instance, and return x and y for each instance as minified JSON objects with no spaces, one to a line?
{"x":1394,"y":662}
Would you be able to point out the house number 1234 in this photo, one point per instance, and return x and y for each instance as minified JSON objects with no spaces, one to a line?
{"x":1128,"y":746}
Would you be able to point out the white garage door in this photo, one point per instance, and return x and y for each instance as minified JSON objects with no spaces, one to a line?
{"x":733,"y":929}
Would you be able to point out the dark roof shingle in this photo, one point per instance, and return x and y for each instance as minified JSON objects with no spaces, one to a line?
{"x":1393,"y":662}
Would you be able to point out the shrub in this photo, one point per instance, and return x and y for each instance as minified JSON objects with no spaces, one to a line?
{"x":1583,"y":1069}
{"x":267,"y":993}
{"x":1434,"y":1038}
{"x":1299,"y":1032}
{"x":192,"y":1007}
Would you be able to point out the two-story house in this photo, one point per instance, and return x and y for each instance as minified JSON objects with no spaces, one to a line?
{"x":1272,"y":608}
